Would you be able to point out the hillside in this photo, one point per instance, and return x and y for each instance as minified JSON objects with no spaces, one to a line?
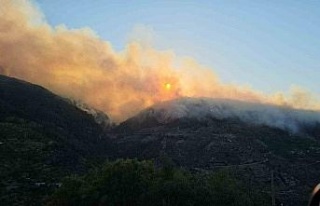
{"x":204,"y":109}
{"x":43,"y":138}
{"x":208,"y":135}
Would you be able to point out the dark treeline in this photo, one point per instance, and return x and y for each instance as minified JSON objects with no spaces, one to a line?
{"x":133,"y":182}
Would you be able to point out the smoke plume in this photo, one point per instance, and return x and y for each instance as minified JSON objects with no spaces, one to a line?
{"x":76,"y":63}
{"x":204,"y":109}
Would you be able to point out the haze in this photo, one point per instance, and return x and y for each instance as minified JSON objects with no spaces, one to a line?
{"x":123,"y":57}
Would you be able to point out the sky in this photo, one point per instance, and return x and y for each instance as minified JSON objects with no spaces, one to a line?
{"x":267,"y":45}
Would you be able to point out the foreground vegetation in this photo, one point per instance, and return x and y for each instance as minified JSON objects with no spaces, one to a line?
{"x":132,"y":182}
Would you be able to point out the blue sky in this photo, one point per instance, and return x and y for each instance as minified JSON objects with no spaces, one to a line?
{"x":269,"y":45}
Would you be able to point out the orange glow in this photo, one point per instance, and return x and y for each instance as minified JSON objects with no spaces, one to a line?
{"x":167,"y":86}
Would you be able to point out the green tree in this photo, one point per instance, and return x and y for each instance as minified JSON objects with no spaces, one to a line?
{"x":139,"y":183}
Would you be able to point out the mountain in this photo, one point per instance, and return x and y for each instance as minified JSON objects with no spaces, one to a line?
{"x":204,"y":109}
{"x":43,"y":137}
{"x":252,"y":140}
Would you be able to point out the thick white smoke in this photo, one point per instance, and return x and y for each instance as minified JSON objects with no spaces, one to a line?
{"x":201,"y":109}
{"x":79,"y":65}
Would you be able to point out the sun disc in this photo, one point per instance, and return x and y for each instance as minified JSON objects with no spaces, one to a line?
{"x":168,"y":86}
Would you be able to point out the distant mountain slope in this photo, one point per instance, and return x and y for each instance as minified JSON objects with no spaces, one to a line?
{"x":43,"y":137}
{"x":202,"y":109}
{"x":37,"y":104}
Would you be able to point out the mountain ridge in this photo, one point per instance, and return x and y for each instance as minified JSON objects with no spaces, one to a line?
{"x":202,"y":109}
